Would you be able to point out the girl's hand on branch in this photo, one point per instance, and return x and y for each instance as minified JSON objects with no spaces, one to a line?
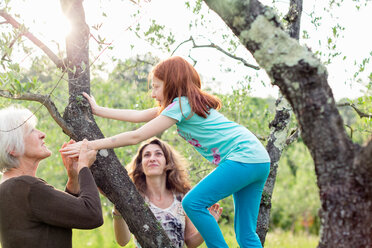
{"x":94,"y":106}
{"x":87,"y":156}
{"x":71,"y":150}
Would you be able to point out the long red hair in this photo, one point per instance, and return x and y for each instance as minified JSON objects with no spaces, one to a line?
{"x":181,"y":79}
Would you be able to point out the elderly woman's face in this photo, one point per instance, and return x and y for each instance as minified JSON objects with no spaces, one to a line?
{"x":35,"y":146}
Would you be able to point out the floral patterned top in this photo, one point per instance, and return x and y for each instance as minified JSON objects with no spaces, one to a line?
{"x":172,"y":219}
{"x":216,"y":138}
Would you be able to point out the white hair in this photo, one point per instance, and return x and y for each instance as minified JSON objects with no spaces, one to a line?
{"x":15,"y":123}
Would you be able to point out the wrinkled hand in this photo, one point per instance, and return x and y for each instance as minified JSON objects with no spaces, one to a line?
{"x":71,"y":150}
{"x":92,"y":102}
{"x":87,"y":156}
{"x":71,"y":164}
{"x":216,"y":211}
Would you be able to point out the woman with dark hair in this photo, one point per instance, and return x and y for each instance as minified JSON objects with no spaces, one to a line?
{"x":160,"y":176}
{"x":242,"y":162}
{"x":32,"y":212}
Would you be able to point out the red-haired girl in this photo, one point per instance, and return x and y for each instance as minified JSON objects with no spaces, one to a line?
{"x":242,"y":162}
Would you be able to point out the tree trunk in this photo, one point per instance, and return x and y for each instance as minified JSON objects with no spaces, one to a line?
{"x":111,"y":177}
{"x":343,"y":169}
{"x":275,"y":145}
{"x":279,"y":128}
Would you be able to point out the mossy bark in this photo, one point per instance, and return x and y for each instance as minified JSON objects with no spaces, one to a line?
{"x":110,"y":176}
{"x":343,"y":169}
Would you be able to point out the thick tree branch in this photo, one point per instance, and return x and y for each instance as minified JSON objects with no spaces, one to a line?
{"x":344,"y":181}
{"x":59,"y":63}
{"x":110,"y":176}
{"x":212,"y":45}
{"x":275,"y":145}
{"x":360,"y":113}
{"x":48,"y":103}
{"x":301,"y":77}
{"x":278,"y":140}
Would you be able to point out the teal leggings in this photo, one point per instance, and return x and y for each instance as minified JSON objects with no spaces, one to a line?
{"x":245,"y":182}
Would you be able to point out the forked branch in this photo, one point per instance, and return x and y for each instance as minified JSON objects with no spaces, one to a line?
{"x":212,"y":45}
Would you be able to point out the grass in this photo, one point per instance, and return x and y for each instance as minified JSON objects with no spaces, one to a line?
{"x":103,"y":237}
{"x":286,"y":239}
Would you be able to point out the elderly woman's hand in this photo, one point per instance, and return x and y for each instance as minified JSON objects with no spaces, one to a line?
{"x":87,"y":156}
{"x":71,"y":164}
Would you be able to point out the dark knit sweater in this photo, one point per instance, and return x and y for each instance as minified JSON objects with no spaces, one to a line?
{"x":35,"y":214}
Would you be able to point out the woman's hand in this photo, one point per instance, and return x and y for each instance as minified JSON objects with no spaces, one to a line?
{"x":71,"y":164}
{"x":216,"y":211}
{"x":94,"y":106}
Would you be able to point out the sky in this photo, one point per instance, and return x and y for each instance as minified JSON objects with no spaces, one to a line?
{"x":51,"y":27}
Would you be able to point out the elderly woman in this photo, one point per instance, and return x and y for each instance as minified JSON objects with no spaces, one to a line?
{"x":32,"y":212}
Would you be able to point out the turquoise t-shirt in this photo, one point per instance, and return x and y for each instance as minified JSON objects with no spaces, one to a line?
{"x":216,"y":137}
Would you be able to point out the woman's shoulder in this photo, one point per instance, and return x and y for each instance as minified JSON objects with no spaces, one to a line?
{"x":23,"y":180}
{"x":21,"y":185}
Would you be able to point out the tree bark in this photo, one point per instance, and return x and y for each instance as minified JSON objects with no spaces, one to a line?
{"x":276,"y":143}
{"x":78,"y":123}
{"x":111,"y":177}
{"x":279,"y":128}
{"x":343,"y":176}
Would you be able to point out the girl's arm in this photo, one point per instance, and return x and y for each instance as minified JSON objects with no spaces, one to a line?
{"x":122,"y":233}
{"x":121,"y":114}
{"x":150,"y":129}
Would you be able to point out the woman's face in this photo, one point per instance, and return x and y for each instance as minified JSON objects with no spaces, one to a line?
{"x":153,"y":160}
{"x":157,"y":90}
{"x":34,"y":145}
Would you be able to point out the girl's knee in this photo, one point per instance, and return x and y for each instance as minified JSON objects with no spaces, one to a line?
{"x":193,"y":201}
{"x":190,"y":203}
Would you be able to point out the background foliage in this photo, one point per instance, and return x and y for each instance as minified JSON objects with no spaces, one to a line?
{"x":295,"y":201}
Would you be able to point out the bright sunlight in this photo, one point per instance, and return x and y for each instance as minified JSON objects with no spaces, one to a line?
{"x":50,"y":26}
